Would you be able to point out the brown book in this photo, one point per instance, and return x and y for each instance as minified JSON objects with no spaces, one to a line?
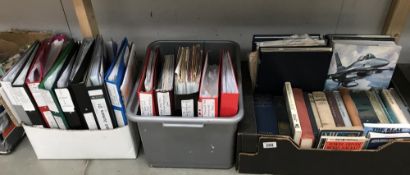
{"x":350,"y":107}
{"x":323,"y":109}
{"x":308,"y":137}
{"x":335,"y":109}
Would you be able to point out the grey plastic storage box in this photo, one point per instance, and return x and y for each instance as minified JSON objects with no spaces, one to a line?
{"x":189,"y":142}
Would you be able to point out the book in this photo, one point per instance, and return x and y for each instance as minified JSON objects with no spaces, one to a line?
{"x":292,"y":113}
{"x":323,"y":109}
{"x":386,"y":128}
{"x":401,"y":104}
{"x":114,"y":79}
{"x":392,"y":106}
{"x":364,"y":107}
{"x":377,"y":140}
{"x":229,"y":92}
{"x":350,"y":107}
{"x":165,"y":86}
{"x":187,"y":80}
{"x":362,"y":64}
{"x":208,"y":101}
{"x":337,"y":116}
{"x":342,"y":143}
{"x":266,"y":117}
{"x":146,"y":86}
{"x":307,"y":138}
{"x":342,"y":109}
{"x":377,"y":106}
{"x":49,"y":82}
{"x":312,"y":111}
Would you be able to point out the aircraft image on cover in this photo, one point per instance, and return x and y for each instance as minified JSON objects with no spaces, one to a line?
{"x":362,"y":67}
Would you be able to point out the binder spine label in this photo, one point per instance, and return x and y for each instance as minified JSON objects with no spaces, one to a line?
{"x":23,"y":99}
{"x":208,"y":108}
{"x":50,"y":119}
{"x":146,"y":104}
{"x":119,"y":117}
{"x":187,"y":108}
{"x":37,"y":94}
{"x":113,"y":92}
{"x":100,"y":109}
{"x":164,"y":103}
{"x":89,"y":119}
{"x":64,"y":98}
{"x":49,"y":100}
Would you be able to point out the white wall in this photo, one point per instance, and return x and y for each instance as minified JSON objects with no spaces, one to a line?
{"x":144,"y":21}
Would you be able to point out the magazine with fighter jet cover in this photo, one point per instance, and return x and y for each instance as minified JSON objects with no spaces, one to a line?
{"x":362,"y":66}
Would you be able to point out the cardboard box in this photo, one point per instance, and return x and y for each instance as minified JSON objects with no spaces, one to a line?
{"x":275,"y":154}
{"x":84,"y":144}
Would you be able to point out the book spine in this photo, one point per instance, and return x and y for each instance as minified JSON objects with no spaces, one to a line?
{"x":307,"y":138}
{"x":350,"y":107}
{"x":292,"y":111}
{"x":164,"y":103}
{"x":335,"y":110}
{"x":314,"y":111}
{"x":401,"y":104}
{"x":100,"y":109}
{"x":323,"y":109}
{"x":392,"y":104}
{"x":377,"y":107}
{"x":342,"y":109}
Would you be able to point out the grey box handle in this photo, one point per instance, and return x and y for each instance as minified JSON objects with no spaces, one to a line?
{"x":182,"y":125}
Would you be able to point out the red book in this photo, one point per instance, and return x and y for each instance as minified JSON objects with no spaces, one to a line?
{"x":44,"y":59}
{"x":146,"y":92}
{"x":308,"y":137}
{"x":229,"y":92}
{"x":209,"y":89}
{"x":8,"y":130}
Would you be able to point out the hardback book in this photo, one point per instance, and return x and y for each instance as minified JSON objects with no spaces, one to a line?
{"x":307,"y":138}
{"x":379,"y":139}
{"x":386,"y":128}
{"x":362,"y":65}
{"x":364,"y":107}
{"x":401,"y":104}
{"x":323,"y":109}
{"x":342,"y":109}
{"x":266,"y":118}
{"x":350,"y":107}
{"x":342,"y":143}
{"x":377,"y":106}
{"x":313,"y":115}
{"x":337,"y":116}
{"x":292,"y":112}
{"x":393,"y":107}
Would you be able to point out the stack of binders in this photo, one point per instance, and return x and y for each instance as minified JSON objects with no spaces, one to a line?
{"x":188,"y":81}
{"x":65,"y":84}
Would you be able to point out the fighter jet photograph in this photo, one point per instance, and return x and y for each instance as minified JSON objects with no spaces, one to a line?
{"x":366,"y":65}
{"x":361,"y":67}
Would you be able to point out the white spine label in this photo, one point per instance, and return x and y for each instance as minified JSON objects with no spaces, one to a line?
{"x":119,"y":117}
{"x":164,"y":103}
{"x":9,"y":92}
{"x":23,"y":99}
{"x":49,"y":100}
{"x":113,"y":92}
{"x":89,"y":119}
{"x":100,"y":109}
{"x":146,"y":104}
{"x":269,"y":145}
{"x":208,"y":108}
{"x":187,"y":108}
{"x":50,"y":119}
{"x":64,"y":98}
{"x":37,"y":94}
